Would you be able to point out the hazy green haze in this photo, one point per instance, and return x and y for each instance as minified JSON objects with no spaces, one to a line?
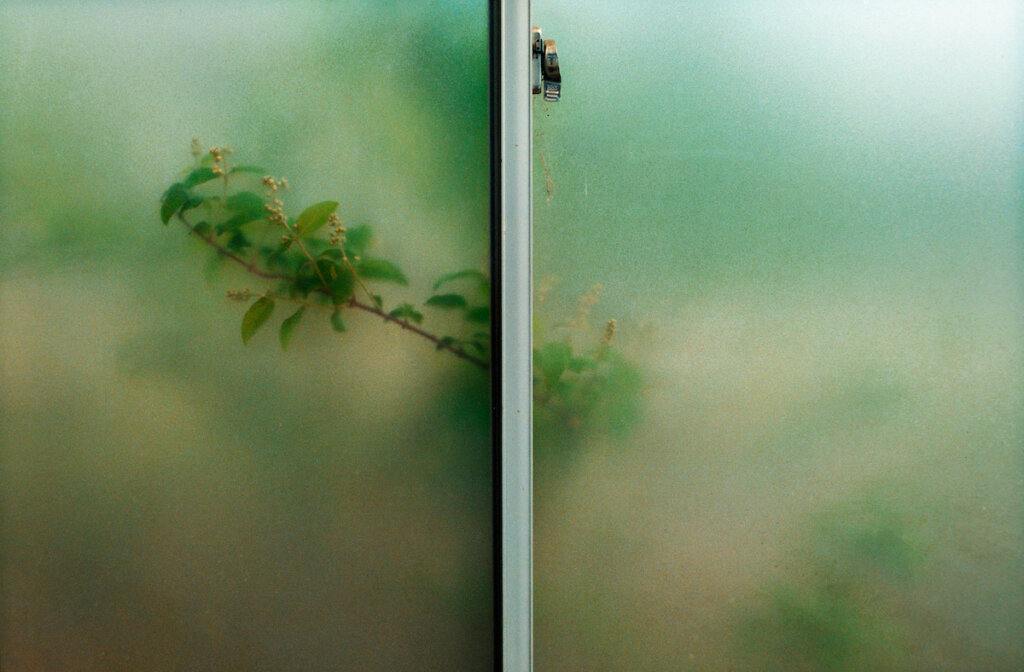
{"x":173,"y":499}
{"x":807,"y":219}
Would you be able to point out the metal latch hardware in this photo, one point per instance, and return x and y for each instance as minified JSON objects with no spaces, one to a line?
{"x":546,"y":77}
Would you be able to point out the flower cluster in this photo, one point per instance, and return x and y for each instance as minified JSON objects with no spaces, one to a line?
{"x":272,"y":184}
{"x":239,"y":294}
{"x":218,"y":154}
{"x":275,"y":212}
{"x":609,"y":332}
{"x":338,"y":232}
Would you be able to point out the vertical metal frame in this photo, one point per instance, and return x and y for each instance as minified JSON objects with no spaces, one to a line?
{"x":512,"y":358}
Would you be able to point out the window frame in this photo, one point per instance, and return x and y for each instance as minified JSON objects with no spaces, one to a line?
{"x":512,"y":368}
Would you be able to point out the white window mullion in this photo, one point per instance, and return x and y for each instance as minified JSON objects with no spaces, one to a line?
{"x":516,"y":359}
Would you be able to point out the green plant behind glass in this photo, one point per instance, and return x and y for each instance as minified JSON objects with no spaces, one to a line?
{"x":239,"y":213}
{"x":843,"y":609}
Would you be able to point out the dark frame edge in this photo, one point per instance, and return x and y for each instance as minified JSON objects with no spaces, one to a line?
{"x":511,"y":351}
{"x":494,"y":41}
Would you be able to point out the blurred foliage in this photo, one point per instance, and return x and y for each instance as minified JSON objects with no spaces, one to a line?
{"x":841,"y":610}
{"x":582,"y":382}
{"x":574,"y":385}
{"x":214,"y":201}
{"x":574,"y":388}
{"x":172,"y":498}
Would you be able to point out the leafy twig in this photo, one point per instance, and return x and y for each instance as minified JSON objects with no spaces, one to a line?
{"x":353,"y":302}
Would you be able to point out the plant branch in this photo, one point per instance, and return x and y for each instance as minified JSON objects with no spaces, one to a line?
{"x":253,"y":269}
{"x":456,"y":350}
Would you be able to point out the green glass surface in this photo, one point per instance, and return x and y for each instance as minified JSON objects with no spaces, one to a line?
{"x":806,"y":219}
{"x":174,"y":499}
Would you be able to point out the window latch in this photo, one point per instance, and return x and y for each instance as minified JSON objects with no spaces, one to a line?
{"x":546,"y":77}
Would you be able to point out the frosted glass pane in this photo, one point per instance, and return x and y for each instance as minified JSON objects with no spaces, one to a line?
{"x":805,"y":218}
{"x":173,"y":498}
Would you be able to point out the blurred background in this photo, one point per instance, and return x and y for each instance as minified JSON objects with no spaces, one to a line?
{"x":807,"y":219}
{"x":171,"y":498}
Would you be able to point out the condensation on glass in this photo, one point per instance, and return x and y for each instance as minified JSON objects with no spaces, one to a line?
{"x":172,"y":498}
{"x":805,"y":218}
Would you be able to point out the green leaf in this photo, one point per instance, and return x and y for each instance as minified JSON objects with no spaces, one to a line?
{"x":408,"y":312}
{"x":288,"y":326}
{"x":468,"y":273}
{"x":479,"y":315}
{"x":316,"y":246}
{"x":173,"y":199}
{"x":342,"y":285}
{"x":238,"y":242}
{"x":247,"y":169}
{"x":357,"y":239}
{"x":199,"y":176}
{"x":276,"y":255}
{"x":255,"y":317}
{"x":331,"y":253}
{"x":337,"y":322}
{"x":202,"y":229}
{"x":379,"y":269}
{"x":236,"y":222}
{"x":552,"y":360}
{"x":316,"y":278}
{"x":246,"y":203}
{"x":193,"y":201}
{"x":315,"y":216}
{"x":247,"y":206}
{"x":447,"y":301}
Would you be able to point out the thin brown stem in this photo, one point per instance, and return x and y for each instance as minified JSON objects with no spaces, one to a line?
{"x":253,"y":269}
{"x":456,"y":350}
{"x":316,"y":266}
{"x":250,"y":267}
{"x":355,"y":274}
